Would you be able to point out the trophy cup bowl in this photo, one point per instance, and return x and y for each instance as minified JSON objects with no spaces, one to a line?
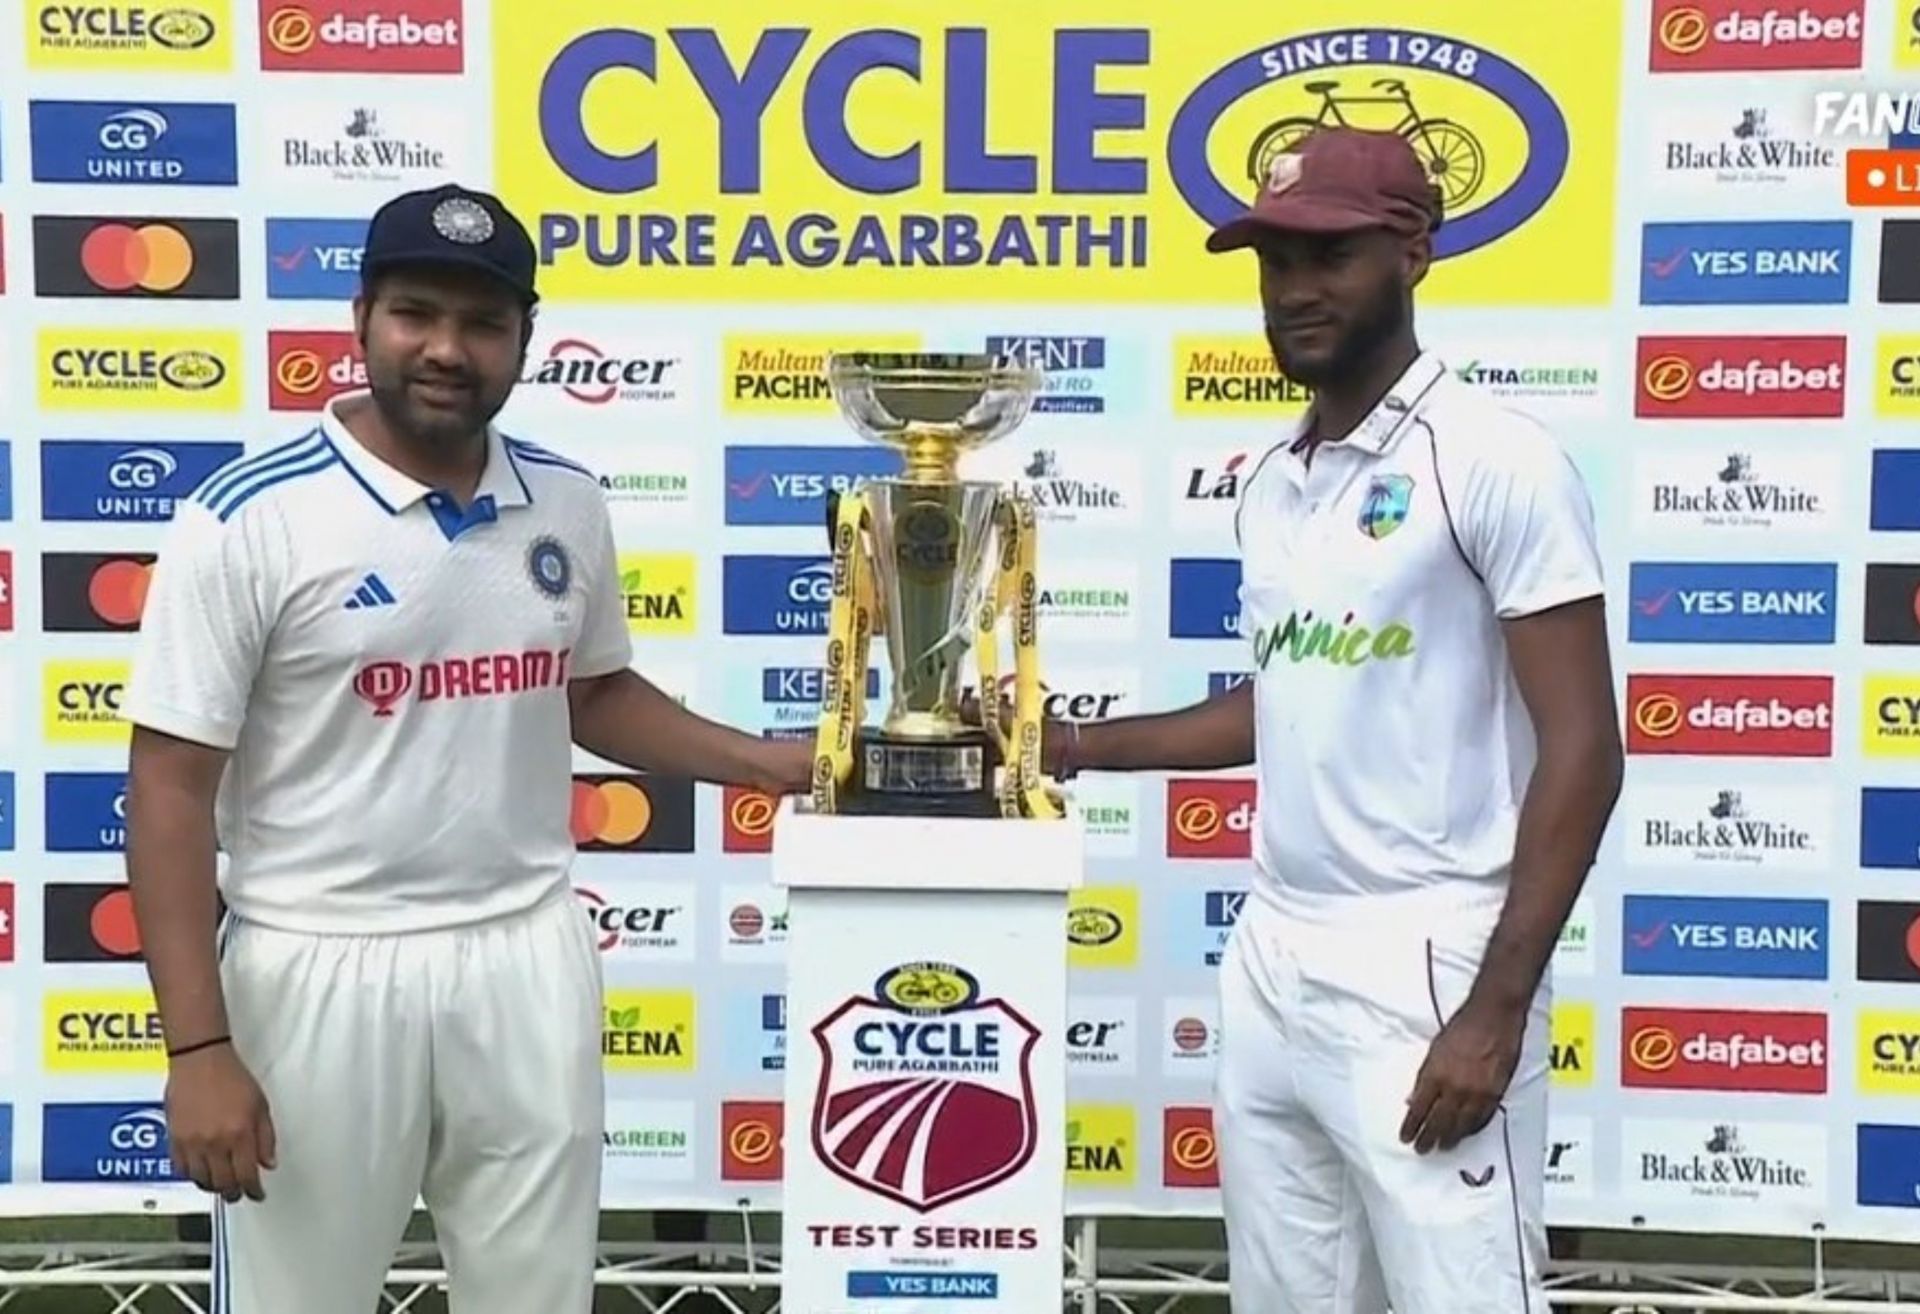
{"x":927,"y":537}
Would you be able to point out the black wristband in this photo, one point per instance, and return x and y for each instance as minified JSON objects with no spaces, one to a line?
{"x":198,"y":1045}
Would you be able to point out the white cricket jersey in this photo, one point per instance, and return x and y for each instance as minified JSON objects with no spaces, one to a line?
{"x":390,"y":674}
{"x":1393,"y":747}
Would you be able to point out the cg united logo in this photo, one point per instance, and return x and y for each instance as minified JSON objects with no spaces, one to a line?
{"x":1317,"y":79}
{"x":948,"y":1073}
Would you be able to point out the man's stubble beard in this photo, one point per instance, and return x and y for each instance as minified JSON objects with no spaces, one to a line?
{"x":403,"y":419}
{"x":1384,"y":316}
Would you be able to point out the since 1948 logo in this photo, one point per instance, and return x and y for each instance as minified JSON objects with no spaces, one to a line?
{"x":969,"y":1123}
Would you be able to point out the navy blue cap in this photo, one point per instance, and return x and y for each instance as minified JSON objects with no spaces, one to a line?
{"x":452,"y":225}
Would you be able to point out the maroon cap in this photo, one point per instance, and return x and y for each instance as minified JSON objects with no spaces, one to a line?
{"x":1337,"y":180}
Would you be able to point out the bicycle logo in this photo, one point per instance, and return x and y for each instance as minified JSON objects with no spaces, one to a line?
{"x":927,"y":988}
{"x":1453,"y":157}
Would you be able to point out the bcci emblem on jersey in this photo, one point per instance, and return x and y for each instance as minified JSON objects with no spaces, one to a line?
{"x":1384,"y":508}
{"x":926,"y":1090}
{"x":549,"y":567}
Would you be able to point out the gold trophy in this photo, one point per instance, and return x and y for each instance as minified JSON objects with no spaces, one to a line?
{"x":910,"y":558}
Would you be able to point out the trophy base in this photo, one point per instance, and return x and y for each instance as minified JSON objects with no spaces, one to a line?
{"x":898,"y":777}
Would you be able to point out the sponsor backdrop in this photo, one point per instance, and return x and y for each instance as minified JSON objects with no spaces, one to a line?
{"x":1649,"y":247}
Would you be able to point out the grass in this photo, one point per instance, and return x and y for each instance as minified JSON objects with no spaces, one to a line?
{"x":1171,"y":1234}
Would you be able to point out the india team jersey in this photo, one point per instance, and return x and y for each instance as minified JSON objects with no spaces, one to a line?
{"x":390,"y":674}
{"x":1393,"y":745}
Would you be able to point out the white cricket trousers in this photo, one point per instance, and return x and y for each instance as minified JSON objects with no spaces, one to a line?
{"x":1327,"y":1009}
{"x":461,"y":1066}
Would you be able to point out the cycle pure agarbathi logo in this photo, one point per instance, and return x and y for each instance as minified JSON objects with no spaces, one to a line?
{"x":1079,"y":153}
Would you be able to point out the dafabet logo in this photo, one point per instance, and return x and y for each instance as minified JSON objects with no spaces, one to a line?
{"x":1190,"y":1157}
{"x":786,"y":374}
{"x":751,"y":1132}
{"x":139,"y":369}
{"x":126,"y":36}
{"x":1232,"y":376}
{"x":361,"y":36}
{"x":100,"y":1031}
{"x":80,"y":702}
{"x":659,"y":591}
{"x":648,"y":1031}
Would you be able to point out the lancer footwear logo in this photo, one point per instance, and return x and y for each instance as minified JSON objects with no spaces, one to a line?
{"x":966,"y":1119}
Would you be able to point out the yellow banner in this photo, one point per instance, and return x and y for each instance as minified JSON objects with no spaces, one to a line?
{"x":126,"y":36}
{"x":102,"y":1031}
{"x":80,"y":702}
{"x":648,"y":1031}
{"x":865,"y":151}
{"x":139,"y":369}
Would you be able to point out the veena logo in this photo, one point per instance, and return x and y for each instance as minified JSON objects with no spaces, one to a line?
{"x":1301,"y":638}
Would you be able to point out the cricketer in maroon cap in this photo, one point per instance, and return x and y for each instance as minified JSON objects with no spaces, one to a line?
{"x":1430,"y":715}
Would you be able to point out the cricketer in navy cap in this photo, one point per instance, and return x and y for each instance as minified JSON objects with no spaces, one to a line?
{"x":451,"y":225}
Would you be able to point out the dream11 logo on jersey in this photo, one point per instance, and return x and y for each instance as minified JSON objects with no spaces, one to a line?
{"x":970,"y":1062}
{"x":1730,"y":715}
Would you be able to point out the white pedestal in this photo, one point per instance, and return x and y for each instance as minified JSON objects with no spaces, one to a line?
{"x":926,"y":1063}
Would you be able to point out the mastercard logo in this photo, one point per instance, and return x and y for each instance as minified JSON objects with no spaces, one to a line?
{"x":291,"y":31}
{"x":610,"y":812}
{"x":149,"y":258}
{"x":118,"y":591}
{"x":300,"y":372}
{"x":1668,"y":378}
{"x":1684,"y":30}
{"x":113,"y":926}
{"x":1654,"y":1049}
{"x":752,"y":815}
{"x":1199,"y":819}
{"x":1192,"y":1149}
{"x":1657,"y":716}
{"x":752,"y":1141}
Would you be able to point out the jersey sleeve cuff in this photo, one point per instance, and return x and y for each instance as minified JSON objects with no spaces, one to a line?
{"x":190,"y":726}
{"x":1547,"y":596}
{"x":587,"y":666}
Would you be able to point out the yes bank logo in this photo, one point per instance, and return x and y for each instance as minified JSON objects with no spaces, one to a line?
{"x":775,"y":594}
{"x":789,"y":485}
{"x":84,"y":480}
{"x":314,"y":259}
{"x":1731,"y":602}
{"x":1746,"y":264}
{"x":1731,"y":937}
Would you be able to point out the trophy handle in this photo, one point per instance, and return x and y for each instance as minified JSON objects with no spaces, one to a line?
{"x":1022,"y":791}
